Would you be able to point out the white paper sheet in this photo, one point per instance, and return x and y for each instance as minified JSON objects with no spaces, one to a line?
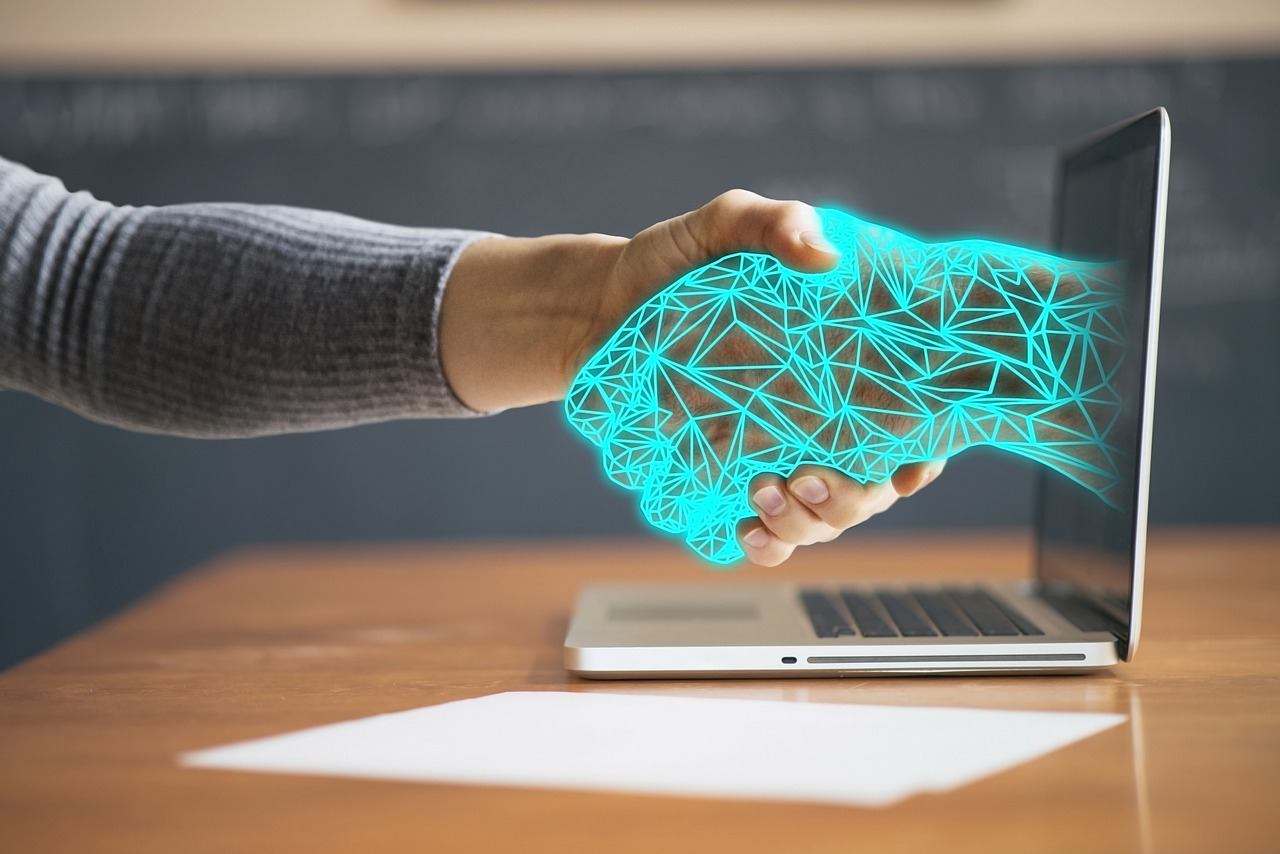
{"x":750,"y":749}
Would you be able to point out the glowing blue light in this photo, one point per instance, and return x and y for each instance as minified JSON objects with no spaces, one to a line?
{"x":908,"y":351}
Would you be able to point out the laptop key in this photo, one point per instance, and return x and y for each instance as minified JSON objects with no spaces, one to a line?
{"x":944,"y":615}
{"x":1014,"y":615}
{"x":827,"y":621}
{"x":984,"y":613}
{"x":868,"y":619}
{"x":909,"y":622}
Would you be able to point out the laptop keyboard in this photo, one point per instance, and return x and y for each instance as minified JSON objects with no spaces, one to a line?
{"x":913,"y":613}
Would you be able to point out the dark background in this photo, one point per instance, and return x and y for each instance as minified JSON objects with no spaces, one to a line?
{"x":91,"y":517}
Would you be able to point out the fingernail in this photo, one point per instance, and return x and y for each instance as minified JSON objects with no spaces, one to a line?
{"x":770,"y":500}
{"x":811,"y":489}
{"x":815,"y":240}
{"x":758,"y":538}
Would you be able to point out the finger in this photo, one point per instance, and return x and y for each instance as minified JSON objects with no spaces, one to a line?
{"x":760,"y":545}
{"x":738,"y":220}
{"x":837,"y":499}
{"x":735,"y":221}
{"x":913,"y":477}
{"x":784,"y":515}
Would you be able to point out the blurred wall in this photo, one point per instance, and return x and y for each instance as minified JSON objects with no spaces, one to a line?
{"x":941,"y":134}
{"x":485,"y":34}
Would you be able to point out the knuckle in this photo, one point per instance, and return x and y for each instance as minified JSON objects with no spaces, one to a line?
{"x":730,"y":199}
{"x":855,"y":509}
{"x":820,"y":532}
{"x":797,"y":527}
{"x":689,"y":238}
{"x":794,"y":210}
{"x":716,"y":209}
{"x":848,"y":517}
{"x":720,"y":212}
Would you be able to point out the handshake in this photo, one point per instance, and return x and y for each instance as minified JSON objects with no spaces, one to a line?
{"x":906,"y":352}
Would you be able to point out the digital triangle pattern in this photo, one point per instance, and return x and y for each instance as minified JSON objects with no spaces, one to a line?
{"x":907,"y":352}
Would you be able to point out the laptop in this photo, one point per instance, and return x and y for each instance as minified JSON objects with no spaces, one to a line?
{"x":1082,"y":609}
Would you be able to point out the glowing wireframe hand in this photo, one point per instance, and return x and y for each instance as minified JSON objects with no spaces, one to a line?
{"x":907,"y":352}
{"x":520,"y":316}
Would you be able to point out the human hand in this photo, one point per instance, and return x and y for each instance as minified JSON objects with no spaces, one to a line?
{"x":905,"y":353}
{"x":521,"y":315}
{"x":813,"y":504}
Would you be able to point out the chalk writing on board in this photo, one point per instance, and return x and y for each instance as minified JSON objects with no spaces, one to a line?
{"x":1070,"y":95}
{"x":926,"y":99}
{"x":690,"y":107}
{"x":841,"y":109}
{"x":1021,"y":175}
{"x":98,"y":115}
{"x":243,"y":111}
{"x":390,"y":112}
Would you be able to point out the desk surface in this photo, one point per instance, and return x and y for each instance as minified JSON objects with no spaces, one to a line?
{"x":263,"y":642}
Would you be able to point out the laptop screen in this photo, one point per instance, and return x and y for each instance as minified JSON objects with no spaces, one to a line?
{"x":1111,"y":208}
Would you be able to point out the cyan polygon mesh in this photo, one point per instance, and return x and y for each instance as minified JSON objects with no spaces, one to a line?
{"x":907,"y":352}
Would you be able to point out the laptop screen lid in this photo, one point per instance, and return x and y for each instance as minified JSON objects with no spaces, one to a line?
{"x":1111,"y":200}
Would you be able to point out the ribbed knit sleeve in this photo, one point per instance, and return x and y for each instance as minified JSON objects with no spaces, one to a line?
{"x":218,"y":320}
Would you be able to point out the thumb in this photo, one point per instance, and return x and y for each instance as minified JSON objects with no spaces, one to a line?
{"x":736,"y":221}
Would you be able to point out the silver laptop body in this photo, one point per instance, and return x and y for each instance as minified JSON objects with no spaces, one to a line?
{"x":1081,"y":612}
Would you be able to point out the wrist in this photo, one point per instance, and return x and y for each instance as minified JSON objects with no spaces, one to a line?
{"x":513,"y":312}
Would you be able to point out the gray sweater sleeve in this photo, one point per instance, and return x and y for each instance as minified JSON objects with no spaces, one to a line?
{"x":218,"y":319}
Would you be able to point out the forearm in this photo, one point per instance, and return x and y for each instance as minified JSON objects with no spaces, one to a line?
{"x":218,"y":320}
{"x":518,"y":311}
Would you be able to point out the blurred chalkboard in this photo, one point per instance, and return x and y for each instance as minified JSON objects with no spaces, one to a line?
{"x":90,"y":516}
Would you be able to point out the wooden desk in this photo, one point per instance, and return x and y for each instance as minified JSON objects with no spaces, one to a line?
{"x":264,"y":642}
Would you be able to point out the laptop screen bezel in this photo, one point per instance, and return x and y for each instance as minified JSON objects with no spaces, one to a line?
{"x":1150,"y":130}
